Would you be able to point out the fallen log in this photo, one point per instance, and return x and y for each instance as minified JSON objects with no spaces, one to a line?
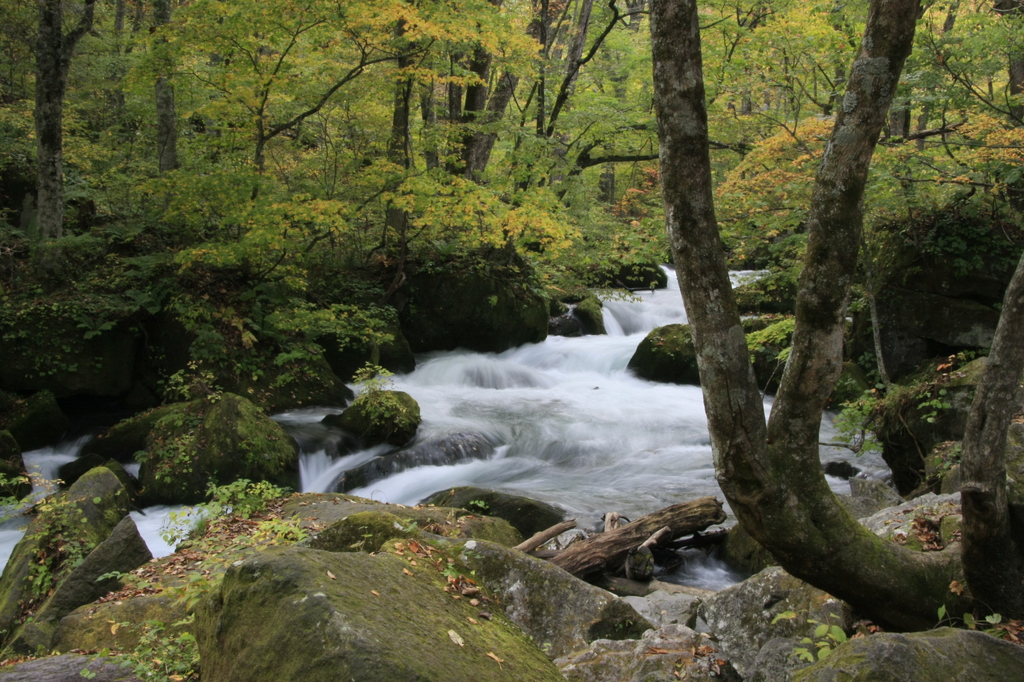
{"x":540,"y":538}
{"x":607,"y":551}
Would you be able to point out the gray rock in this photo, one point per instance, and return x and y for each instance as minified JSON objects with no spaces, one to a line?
{"x":741,"y":617}
{"x":896,"y":522}
{"x":67,"y":668}
{"x":777,"y":661}
{"x":672,"y":652}
{"x":560,"y":612}
{"x":662,"y":608}
{"x":526,"y":515}
{"x":943,"y":655}
{"x":869,"y":496}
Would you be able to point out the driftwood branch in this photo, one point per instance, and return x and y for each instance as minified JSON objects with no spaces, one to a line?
{"x":543,"y":536}
{"x":608,"y":550}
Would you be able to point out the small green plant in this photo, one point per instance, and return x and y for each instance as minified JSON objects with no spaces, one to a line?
{"x":242,"y":498}
{"x":825,"y":639}
{"x":478,"y":506}
{"x":160,"y":655}
{"x":931,"y":405}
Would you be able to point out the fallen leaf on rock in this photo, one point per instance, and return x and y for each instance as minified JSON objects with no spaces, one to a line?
{"x":400,"y":546}
{"x":474,"y":621}
{"x":375,"y":593}
{"x":413,"y":562}
{"x":474,"y":602}
{"x":655,"y":651}
{"x":486,"y":615}
{"x":114,"y":627}
{"x":406,"y":571}
{"x":491,"y":654}
{"x":454,"y":636}
{"x":956,"y":588}
{"x":331,"y":575}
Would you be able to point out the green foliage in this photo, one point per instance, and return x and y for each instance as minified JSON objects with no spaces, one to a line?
{"x":241,"y":498}
{"x":776,"y":335}
{"x":820,"y":645}
{"x":160,"y":655}
{"x":376,"y":399}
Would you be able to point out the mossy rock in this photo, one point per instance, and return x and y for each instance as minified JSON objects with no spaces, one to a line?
{"x":127,"y":437}
{"x":743,"y":553}
{"x":577,"y":314}
{"x":363,"y":532}
{"x":933,"y":656}
{"x":88,"y":627}
{"x":526,"y":515}
{"x":302,"y":614}
{"x":489,"y":305}
{"x":667,"y":355}
{"x":630,"y":276}
{"x":320,"y":509}
{"x":309,"y":383}
{"x":395,"y":355}
{"x":37,"y":421}
{"x":216,"y":440}
{"x":560,"y":612}
{"x":122,"y":551}
{"x":774,"y":293}
{"x":54,"y":355}
{"x":380,"y":417}
{"x":83,"y":517}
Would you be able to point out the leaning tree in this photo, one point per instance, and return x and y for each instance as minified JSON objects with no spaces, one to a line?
{"x":770,"y":472}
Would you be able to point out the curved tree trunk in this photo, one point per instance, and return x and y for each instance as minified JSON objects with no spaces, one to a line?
{"x":771,"y":474}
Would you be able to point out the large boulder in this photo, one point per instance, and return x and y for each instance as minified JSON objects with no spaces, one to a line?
{"x":669,"y":653}
{"x":291,"y":385}
{"x":122,"y":551}
{"x":560,"y":612}
{"x":771,"y":604}
{"x":918,"y":325}
{"x":395,"y":355}
{"x":667,"y":354}
{"x":915,"y":418}
{"x":36,"y":421}
{"x":302,"y":614}
{"x":44,"y":353}
{"x":443,"y":451}
{"x":122,"y":440}
{"x":340,"y":524}
{"x":379,"y":416}
{"x":213,"y":440}
{"x":76,"y":521}
{"x":89,"y":627}
{"x":933,"y":656}
{"x":488,"y":308}
{"x":577,"y":315}
{"x":528,"y":516}
{"x":630,"y":276}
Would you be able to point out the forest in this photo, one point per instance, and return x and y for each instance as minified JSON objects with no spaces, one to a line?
{"x":216,"y":211}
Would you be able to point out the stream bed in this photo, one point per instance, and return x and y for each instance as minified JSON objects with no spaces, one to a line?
{"x":569,"y":425}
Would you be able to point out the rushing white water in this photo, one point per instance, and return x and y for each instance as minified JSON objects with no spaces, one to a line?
{"x":569,"y":423}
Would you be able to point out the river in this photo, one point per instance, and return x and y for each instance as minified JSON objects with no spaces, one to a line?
{"x":570,"y":424}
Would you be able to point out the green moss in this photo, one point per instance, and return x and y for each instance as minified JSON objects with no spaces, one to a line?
{"x":212,"y":440}
{"x":667,"y":354}
{"x":381,"y":417}
{"x":363,"y":532}
{"x":303,"y":614}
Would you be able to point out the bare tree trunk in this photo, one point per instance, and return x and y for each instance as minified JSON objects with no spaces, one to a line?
{"x":166,"y":119}
{"x":772,"y":475}
{"x":53,"y":52}
{"x":400,"y":153}
{"x":993,"y":553}
{"x":1015,"y":69}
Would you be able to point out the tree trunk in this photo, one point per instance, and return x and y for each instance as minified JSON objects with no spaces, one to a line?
{"x":53,"y":52}
{"x":993,"y":553}
{"x":166,"y":119}
{"x":607,"y":551}
{"x":1015,"y":69}
{"x":772,"y":475}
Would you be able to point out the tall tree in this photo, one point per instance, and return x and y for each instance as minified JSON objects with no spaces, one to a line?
{"x":53,"y":50}
{"x":166,"y":119}
{"x":770,"y":473}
